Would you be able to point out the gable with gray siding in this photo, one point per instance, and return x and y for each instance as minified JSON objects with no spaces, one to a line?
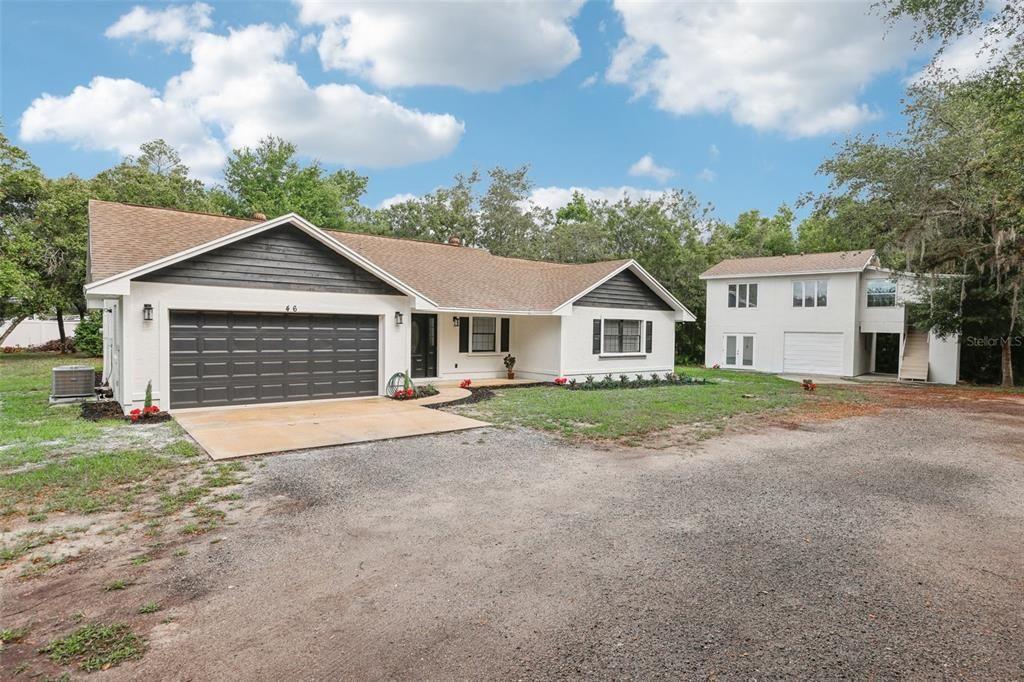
{"x":624,"y":290}
{"x":280,"y":258}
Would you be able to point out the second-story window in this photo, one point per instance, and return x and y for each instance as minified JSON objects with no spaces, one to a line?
{"x":743,"y":295}
{"x":810,"y":293}
{"x":881,"y":293}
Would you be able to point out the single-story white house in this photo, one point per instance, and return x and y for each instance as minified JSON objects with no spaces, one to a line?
{"x":836,"y":314}
{"x":221,"y":311}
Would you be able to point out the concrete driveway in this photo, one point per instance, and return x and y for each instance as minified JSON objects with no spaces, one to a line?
{"x":229,"y":432}
{"x":877,"y":547}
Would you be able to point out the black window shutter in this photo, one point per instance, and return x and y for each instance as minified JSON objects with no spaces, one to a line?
{"x":463,"y":334}
{"x":597,"y":337}
{"x":649,"y":344}
{"x":504,"y":334}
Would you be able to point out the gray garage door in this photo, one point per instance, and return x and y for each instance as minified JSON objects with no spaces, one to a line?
{"x":233,"y":358}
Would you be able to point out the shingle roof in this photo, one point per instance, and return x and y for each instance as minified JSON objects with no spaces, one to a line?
{"x":124,"y":237}
{"x":461,"y":277}
{"x":836,"y":261}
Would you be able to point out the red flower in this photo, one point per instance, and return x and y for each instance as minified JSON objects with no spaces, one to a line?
{"x":465,"y":383}
{"x":398,"y":394}
{"x":561,"y":381}
{"x":136,"y":412}
{"x":135,"y":418}
{"x":409,"y":393}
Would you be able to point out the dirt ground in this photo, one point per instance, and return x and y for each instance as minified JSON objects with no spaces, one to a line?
{"x":875,"y":539}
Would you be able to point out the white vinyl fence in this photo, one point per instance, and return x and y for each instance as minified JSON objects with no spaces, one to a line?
{"x":36,"y":332}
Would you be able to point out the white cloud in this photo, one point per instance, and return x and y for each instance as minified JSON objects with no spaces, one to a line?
{"x":471,"y":45}
{"x":713,"y":151}
{"x":173,"y":26}
{"x":556,"y":197}
{"x":400,"y":198}
{"x":117,"y":115}
{"x":238,"y":90}
{"x":590,"y":81}
{"x":646,"y":167}
{"x":707,"y":175}
{"x":798,"y":68}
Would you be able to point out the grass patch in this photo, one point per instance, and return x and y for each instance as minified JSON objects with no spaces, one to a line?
{"x":181,"y":448}
{"x":150,"y":607}
{"x":11,"y":635}
{"x":118,"y":584}
{"x":83,"y":483}
{"x":224,"y":475}
{"x":172,"y":503}
{"x":140,"y":559}
{"x":40,"y":565}
{"x":27,"y":422}
{"x":628,"y":412}
{"x":96,"y":647}
{"x":26,"y":542}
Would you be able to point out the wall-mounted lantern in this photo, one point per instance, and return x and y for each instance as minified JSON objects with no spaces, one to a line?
{"x":455,"y":321}
{"x":398,"y":317}
{"x":147,"y":313}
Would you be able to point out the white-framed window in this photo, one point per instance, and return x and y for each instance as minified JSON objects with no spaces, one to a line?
{"x":621,"y":336}
{"x":881,"y":293}
{"x":743,"y":295}
{"x":483,"y":334}
{"x":739,"y":350}
{"x":810,"y":293}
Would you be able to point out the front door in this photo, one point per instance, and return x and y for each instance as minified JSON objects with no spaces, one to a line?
{"x":887,"y":353}
{"x":424,"y":345}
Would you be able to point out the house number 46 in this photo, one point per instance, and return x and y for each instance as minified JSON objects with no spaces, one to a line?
{"x":291,"y":308}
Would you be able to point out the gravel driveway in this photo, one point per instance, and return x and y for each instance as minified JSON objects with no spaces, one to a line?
{"x":882,"y":546}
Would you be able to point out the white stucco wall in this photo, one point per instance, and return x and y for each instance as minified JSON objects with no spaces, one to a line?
{"x":578,"y":360}
{"x":883,"y":320}
{"x":451,"y":364}
{"x":146,"y":343}
{"x":775,"y":315}
{"x":536,"y":343}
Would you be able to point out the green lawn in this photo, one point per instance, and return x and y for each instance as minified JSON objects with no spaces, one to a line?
{"x":52,"y":460}
{"x":629,"y":412}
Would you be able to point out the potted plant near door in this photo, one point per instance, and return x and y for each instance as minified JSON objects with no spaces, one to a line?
{"x":510,"y":365}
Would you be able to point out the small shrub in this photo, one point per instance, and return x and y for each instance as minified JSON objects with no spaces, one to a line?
{"x":150,"y":607}
{"x":89,"y":334}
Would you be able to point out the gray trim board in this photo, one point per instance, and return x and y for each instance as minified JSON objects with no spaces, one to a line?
{"x":280,"y":258}
{"x":624,"y":290}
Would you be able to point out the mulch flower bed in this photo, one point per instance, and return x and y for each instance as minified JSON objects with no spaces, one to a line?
{"x":102,"y":409}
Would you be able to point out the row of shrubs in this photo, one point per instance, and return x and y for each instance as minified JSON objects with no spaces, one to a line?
{"x":625,"y":381}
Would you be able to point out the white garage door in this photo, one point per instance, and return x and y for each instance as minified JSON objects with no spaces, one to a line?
{"x":813,"y":353}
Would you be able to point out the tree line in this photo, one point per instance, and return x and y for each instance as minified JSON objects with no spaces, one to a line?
{"x":943,"y":196}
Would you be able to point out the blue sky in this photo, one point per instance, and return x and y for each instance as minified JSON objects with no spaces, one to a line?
{"x":738,"y":103}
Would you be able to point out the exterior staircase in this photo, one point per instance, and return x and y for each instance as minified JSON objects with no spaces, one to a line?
{"x":914,"y":363}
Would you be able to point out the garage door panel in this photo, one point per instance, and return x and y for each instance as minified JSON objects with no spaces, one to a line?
{"x":225,"y":358}
{"x":813,"y":353}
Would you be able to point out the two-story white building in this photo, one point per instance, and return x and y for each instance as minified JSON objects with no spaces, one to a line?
{"x":837,"y":314}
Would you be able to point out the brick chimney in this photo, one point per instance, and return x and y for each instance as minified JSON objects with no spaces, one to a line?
{"x":259,"y":216}
{"x":454,"y":241}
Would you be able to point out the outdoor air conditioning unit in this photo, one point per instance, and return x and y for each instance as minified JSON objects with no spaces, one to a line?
{"x":73,"y":381}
